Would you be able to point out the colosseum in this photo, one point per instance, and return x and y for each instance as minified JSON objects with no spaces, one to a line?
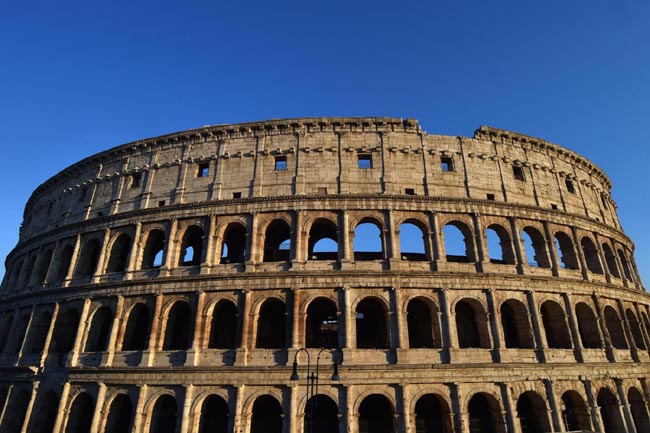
{"x":208,"y":281}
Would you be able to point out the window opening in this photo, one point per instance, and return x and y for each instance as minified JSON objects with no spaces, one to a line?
{"x":372,"y":325}
{"x":165,"y":415}
{"x":178,"y":335}
{"x":555,"y":326}
{"x":364,"y":161}
{"x":277,"y":242}
{"x":518,"y":172}
{"x":223,"y":329}
{"x":192,"y":247}
{"x":458,"y":244}
{"x":412,"y":242}
{"x":588,"y":326}
{"x":553,"y":206}
{"x":204,"y":169}
{"x":535,"y":246}
{"x":214,"y":415}
{"x":266,"y":416}
{"x":490,"y":197}
{"x":446,"y":163}
{"x":280,"y":163}
{"x":409,"y":191}
{"x":321,"y":415}
{"x":368,"y":242}
{"x":271,"y":325}
{"x":120,"y":415}
{"x":233,"y":249}
{"x":422,"y":322}
{"x":152,"y":256}
{"x":516,"y":326}
{"x":615,"y":328}
{"x":591,"y":256}
{"x":236,"y":195}
{"x":322,"y":324}
{"x":117,"y":259}
{"x":137,"y":329}
{"x":323,"y":241}
{"x":161,"y":203}
{"x":136,"y":178}
{"x":429,"y":415}
{"x":569,"y":186}
{"x":499,"y":246}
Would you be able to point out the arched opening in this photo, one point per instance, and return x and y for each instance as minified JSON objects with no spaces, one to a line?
{"x":223,"y":329}
{"x":321,"y":415}
{"x":565,"y":251}
{"x":484,"y":414}
{"x":25,"y":280}
{"x":535,"y":246}
{"x":214,"y":415}
{"x":532,"y":413}
{"x":458,"y":243}
{"x":152,"y":257}
{"x":180,"y":323}
{"x":610,"y":259}
{"x":16,"y":271}
{"x":88,"y":256}
{"x":137,"y":328}
{"x":376,"y":415}
{"x":322,"y":324}
{"x":635,"y":328}
{"x":120,"y":415}
{"x":272,"y":325}
{"x":412,"y":242}
{"x":588,"y":326}
{"x":625,"y":264}
{"x":609,"y":412}
{"x":516,"y":326}
{"x":471,"y":325}
{"x":100,"y":329}
{"x":191,"y":247}
{"x":639,"y":410}
{"x":323,"y":240}
{"x":266,"y":416}
{"x":591,"y":256}
{"x":372,"y":324}
{"x":44,"y":413}
{"x":499,"y":245}
{"x":7,"y":324}
{"x":555,"y":326}
{"x":368,"y":242}
{"x":277,"y":242}
{"x":119,"y":255}
{"x":64,"y":263}
{"x":574,"y":412}
{"x":644,"y":317}
{"x":17,"y":333}
{"x":164,"y":415}
{"x":423,"y":324}
{"x":14,"y":415}
{"x":233,"y":248}
{"x":65,"y":331}
{"x":615,"y":328}
{"x":430,"y":417}
{"x":40,"y":275}
{"x":80,"y":416}
{"x":39,"y":331}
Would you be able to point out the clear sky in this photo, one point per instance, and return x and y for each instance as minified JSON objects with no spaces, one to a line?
{"x":78,"y":77}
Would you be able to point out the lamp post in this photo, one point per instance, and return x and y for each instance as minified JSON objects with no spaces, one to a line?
{"x":312,"y":381}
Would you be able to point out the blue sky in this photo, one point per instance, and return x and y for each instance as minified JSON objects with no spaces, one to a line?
{"x":80,"y":77}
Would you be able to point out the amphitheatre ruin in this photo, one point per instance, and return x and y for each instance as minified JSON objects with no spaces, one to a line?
{"x":208,"y":281}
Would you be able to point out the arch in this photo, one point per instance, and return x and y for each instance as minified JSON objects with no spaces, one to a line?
{"x":458,"y":242}
{"x":117,"y":259}
{"x":38,"y":332}
{"x":368,"y":241}
{"x":499,"y":246}
{"x":639,"y":410}
{"x":615,"y":328}
{"x":625,"y":264}
{"x":214,"y":415}
{"x":323,"y":241}
{"x":15,"y":411}
{"x":431,"y":415}
{"x":180,"y":324}
{"x":40,"y":274}
{"x":7,"y":324}
{"x":321,"y":326}
{"x":16,"y":271}
{"x":484,"y":414}
{"x":644,"y":318}
{"x":88,"y":257}
{"x":80,"y":415}
{"x":137,"y":328}
{"x":164,"y":415}
{"x":44,"y":413}
{"x":321,"y":415}
{"x":191,"y":247}
{"x":277,"y":241}
{"x":120,"y":415}
{"x":532,"y":413}
{"x":99,"y":331}
{"x":635,"y":328}
{"x":517,"y":331}
{"x":233,"y":247}
{"x":65,"y":259}
{"x":376,"y":415}
{"x":18,"y":332}
{"x":153,"y":254}
{"x":591,"y":255}
{"x":25,"y":279}
{"x":272,"y":325}
{"x":423,"y":324}
{"x":555,"y":326}
{"x":609,"y":412}
{"x":471,"y":324}
{"x":372,"y":324}
{"x":588,"y":326}
{"x":535,"y":247}
{"x":266,"y":416}
{"x":565,"y":251}
{"x":65,"y":331}
{"x":610,"y":259}
{"x":223,"y":328}
{"x":412,"y":241}
{"x":574,"y":412}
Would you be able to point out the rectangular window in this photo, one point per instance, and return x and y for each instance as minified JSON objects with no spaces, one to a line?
{"x":447,"y":163}
{"x":518,"y":171}
{"x":569,"y":186}
{"x":553,"y":206}
{"x":602,"y":198}
{"x":204,"y":169}
{"x":161,"y":203}
{"x":365,"y":161}
{"x":409,"y":191}
{"x":236,"y":195}
{"x":135,"y":180}
{"x":490,"y":197}
{"x":280,"y":163}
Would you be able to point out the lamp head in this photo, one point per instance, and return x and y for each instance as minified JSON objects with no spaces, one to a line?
{"x":294,"y":373}
{"x":335,"y":375}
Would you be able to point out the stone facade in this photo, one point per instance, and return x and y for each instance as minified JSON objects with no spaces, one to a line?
{"x":168,"y":285}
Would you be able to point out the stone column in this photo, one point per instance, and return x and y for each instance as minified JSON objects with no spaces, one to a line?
{"x":493,"y":317}
{"x":169,"y":260}
{"x":519,"y":251}
{"x":352,"y":417}
{"x":294,"y":416}
{"x":627,"y":331}
{"x":193,"y":355}
{"x":573,"y":327}
{"x":448,"y":325}
{"x":252,"y":243}
{"x":101,"y":261}
{"x":209,"y":241}
{"x":99,"y":409}
{"x":30,"y":407}
{"x":148,"y":357}
{"x":581,"y":254}
{"x":63,"y":410}
{"x":438,"y":247}
{"x":644,"y":331}
{"x":601,"y":256}
{"x":296,"y":318}
{"x":479,"y":245}
{"x":73,"y":261}
{"x":239,"y":422}
{"x":624,"y":406}
{"x":460,"y":420}
{"x":112,"y":339}
{"x":133,"y":254}
{"x":348,"y":314}
{"x":245,"y":327}
{"x":609,"y":348}
{"x":400,"y":340}
{"x":73,"y":356}
{"x":596,"y":419}
{"x":552,"y":251}
{"x":50,"y":332}
{"x":555,"y":416}
{"x":508,"y":414}
{"x":345,"y":254}
{"x":393,"y":240}
{"x":139,"y":415}
{"x":298,"y":250}
{"x":187,"y":404}
{"x":538,"y":329}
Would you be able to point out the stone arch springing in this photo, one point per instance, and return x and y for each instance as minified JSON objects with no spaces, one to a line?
{"x":484,"y":414}
{"x":120,"y":415}
{"x":65,"y":331}
{"x":413,"y":241}
{"x":321,"y":324}
{"x":191,"y":247}
{"x":625,"y":264}
{"x":535,"y":247}
{"x":323,"y":241}
{"x":272,"y":325}
{"x":532,"y":413}
{"x":432,"y":415}
{"x":38,"y":332}
{"x":635,"y":328}
{"x":44,"y":261}
{"x":321,"y":415}
{"x":44,"y":412}
{"x":223,"y":327}
{"x":588,"y":326}
{"x":137,"y":328}
{"x":517,"y":331}
{"x":459,"y":246}
{"x":277,"y":241}
{"x":88,"y":257}
{"x":99,"y":331}
{"x":471,"y":324}
{"x":555,"y":326}
{"x":266,"y":415}
{"x":610,"y":259}
{"x":372,"y":324}
{"x":423,"y":324}
{"x":214,"y":415}
{"x":179,"y":329}
{"x":499,"y":245}
{"x":639,"y":410}
{"x":154,"y":246}
{"x":609,"y":412}
{"x":591,"y":255}
{"x":369,"y":243}
{"x":615,"y":328}
{"x":565,"y":251}
{"x":233,"y":247}
{"x":65,"y":259}
{"x":164,"y":415}
{"x":80,"y":415}
{"x":376,"y":415}
{"x":117,"y":259}
{"x":574,"y":412}
{"x":15,"y":411}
